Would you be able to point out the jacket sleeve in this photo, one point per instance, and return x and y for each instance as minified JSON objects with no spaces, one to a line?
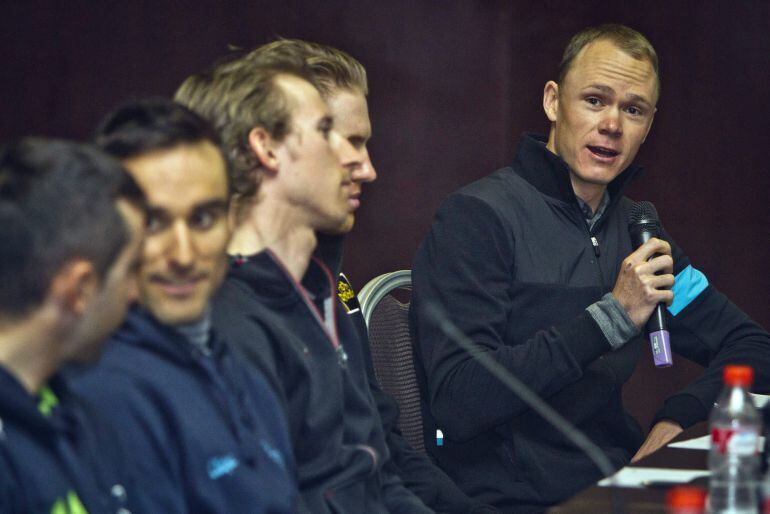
{"x":707,"y":328}
{"x":466,"y":264}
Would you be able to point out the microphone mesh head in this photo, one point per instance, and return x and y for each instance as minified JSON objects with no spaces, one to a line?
{"x":641,"y":213}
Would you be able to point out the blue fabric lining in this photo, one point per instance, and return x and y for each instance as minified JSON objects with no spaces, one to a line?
{"x":688,"y":284}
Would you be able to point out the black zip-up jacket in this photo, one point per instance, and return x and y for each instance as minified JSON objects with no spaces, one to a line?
{"x":512,"y":260}
{"x":57,"y":454}
{"x":298,"y":335}
{"x":206,"y":433}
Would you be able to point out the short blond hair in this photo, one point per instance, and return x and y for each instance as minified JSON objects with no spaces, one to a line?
{"x":331,"y":68}
{"x":625,"y":38}
{"x":237,"y":95}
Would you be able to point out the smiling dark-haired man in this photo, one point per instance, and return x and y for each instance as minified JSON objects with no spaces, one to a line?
{"x":206,"y":433}
{"x":535,"y":264}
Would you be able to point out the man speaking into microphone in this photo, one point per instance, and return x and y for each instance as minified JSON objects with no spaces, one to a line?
{"x":535,"y":264}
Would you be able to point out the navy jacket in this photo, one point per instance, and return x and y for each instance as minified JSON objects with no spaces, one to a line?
{"x":56,"y":453}
{"x":206,"y":433}
{"x":300,"y":336}
{"x":514,"y":263}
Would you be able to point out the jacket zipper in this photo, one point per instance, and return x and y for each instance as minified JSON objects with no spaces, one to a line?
{"x":596,"y":248}
{"x":329,"y":324}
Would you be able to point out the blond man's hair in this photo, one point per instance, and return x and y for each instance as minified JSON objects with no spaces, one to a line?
{"x":331,"y":68}
{"x":238,"y":95}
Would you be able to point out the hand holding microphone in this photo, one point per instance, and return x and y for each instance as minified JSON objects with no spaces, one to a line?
{"x":645,"y":279}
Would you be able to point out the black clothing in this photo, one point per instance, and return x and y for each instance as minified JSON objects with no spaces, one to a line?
{"x":514,"y":263}
{"x":419,"y":473}
{"x":58,"y":455}
{"x":295,"y":334}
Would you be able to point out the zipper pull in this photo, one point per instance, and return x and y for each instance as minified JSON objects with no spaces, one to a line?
{"x":595,"y":243}
{"x":342,"y":357}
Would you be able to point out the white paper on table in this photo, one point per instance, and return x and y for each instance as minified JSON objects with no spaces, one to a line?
{"x":640,"y":477}
{"x":703,"y":443}
{"x":699,"y":443}
{"x":759,"y":399}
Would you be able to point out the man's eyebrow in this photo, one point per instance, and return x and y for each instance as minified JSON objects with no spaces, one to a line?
{"x":156,"y":210}
{"x":638,"y":99}
{"x":601,"y":87}
{"x":215,"y":204}
{"x":632,"y":97}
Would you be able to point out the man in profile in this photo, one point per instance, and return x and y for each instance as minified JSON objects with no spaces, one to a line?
{"x":342,"y":81}
{"x":278,"y":284}
{"x":206,"y":433}
{"x":535,"y":264}
{"x":71,"y":224}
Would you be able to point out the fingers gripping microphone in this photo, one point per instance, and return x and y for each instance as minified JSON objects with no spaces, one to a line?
{"x":643,"y":224}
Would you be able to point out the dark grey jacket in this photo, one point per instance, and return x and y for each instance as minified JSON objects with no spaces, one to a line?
{"x":512,"y":260}
{"x":302,"y":339}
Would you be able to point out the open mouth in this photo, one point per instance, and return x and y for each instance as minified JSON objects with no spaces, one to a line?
{"x":603,"y":152}
{"x":179,"y":287}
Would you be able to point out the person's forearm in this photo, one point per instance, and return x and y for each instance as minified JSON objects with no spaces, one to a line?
{"x":467,"y":399}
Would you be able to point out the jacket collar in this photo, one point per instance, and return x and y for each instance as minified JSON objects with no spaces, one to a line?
{"x":329,"y":251}
{"x":142,"y":329}
{"x":268,"y":277}
{"x":16,"y":403}
{"x":549,"y":173}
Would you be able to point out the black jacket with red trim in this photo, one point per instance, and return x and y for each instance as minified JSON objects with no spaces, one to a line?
{"x":304,"y":342}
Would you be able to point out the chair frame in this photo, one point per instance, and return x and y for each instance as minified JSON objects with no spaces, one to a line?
{"x":379,"y":287}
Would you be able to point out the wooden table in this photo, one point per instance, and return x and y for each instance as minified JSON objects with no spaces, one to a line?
{"x":597,"y":499}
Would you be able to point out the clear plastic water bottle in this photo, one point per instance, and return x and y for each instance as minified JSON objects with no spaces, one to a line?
{"x":734,"y":456}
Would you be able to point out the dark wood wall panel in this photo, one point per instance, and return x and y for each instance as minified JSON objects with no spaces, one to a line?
{"x":453,"y":84}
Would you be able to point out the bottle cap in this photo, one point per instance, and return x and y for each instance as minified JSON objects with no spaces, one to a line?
{"x":686,"y":498}
{"x":739,"y":375}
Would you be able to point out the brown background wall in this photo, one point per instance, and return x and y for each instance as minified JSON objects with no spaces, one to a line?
{"x":453,"y":84}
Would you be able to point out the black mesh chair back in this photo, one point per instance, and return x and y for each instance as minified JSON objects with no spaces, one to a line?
{"x":392,"y":352}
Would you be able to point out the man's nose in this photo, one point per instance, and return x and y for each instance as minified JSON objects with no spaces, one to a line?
{"x":181,"y":252}
{"x":349,"y":157}
{"x":365,"y":172}
{"x":612,"y":122}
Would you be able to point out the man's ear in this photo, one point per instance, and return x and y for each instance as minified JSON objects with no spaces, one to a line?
{"x":551,"y":100}
{"x":263,"y":145}
{"x":75,"y":286}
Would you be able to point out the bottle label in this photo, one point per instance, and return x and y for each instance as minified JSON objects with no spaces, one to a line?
{"x":743,"y":441}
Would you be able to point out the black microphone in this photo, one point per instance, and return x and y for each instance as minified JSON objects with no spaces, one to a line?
{"x":643,"y":224}
{"x":439,"y":316}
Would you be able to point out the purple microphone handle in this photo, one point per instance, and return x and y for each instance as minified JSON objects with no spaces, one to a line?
{"x":660,"y":342}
